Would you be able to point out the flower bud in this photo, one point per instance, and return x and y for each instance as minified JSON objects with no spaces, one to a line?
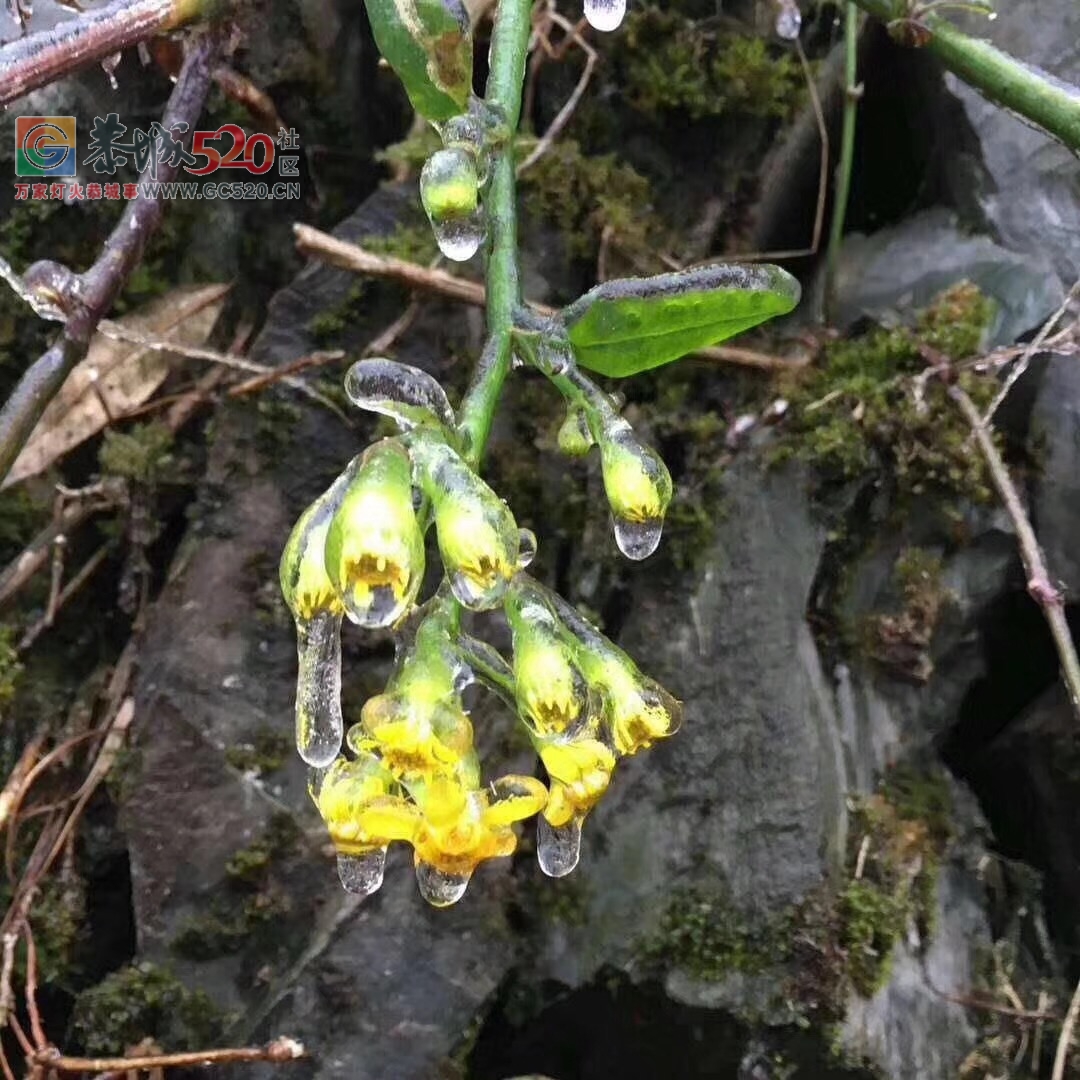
{"x":449,"y":191}
{"x":574,"y":438}
{"x":374,"y":546}
{"x":638,"y":487}
{"x":478,"y":537}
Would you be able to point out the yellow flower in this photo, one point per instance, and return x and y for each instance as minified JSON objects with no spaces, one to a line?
{"x":449,"y":185}
{"x":305,"y":584}
{"x":638,"y":710}
{"x":461,"y":828}
{"x":550,"y":690}
{"x":416,"y":738}
{"x":580,"y":771}
{"x":636,"y":480}
{"x":360,"y":804}
{"x":374,"y":546}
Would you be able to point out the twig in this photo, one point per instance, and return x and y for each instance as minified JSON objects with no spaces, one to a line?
{"x":341,"y":253}
{"x":17,"y":779}
{"x":1065,"y":1040}
{"x":7,"y":995}
{"x":1038,"y":584}
{"x":1030,"y":350}
{"x":93,"y":293}
{"x":280,"y":1050}
{"x":1033,"y":1015}
{"x":39,"y":59}
{"x":37,"y":1030}
{"x":274,"y":374}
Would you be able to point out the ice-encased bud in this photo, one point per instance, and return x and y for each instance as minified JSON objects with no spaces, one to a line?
{"x":449,"y":191}
{"x":467,"y":132}
{"x":605,"y":15}
{"x":405,"y":393}
{"x":374,"y":546}
{"x":317,"y":610}
{"x":574,"y":438}
{"x":552,"y":694}
{"x":478,"y":537}
{"x":788,"y":20}
{"x":638,"y":487}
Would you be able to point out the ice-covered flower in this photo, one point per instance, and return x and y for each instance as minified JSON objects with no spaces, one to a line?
{"x":638,"y":487}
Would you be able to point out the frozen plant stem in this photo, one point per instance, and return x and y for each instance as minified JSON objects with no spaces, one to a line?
{"x":92,"y":294}
{"x":1049,"y":103}
{"x":509,"y":45}
{"x":852,"y":93}
{"x":1039,"y":586}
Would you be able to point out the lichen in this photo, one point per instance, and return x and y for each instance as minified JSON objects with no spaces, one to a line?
{"x":144,"y":1001}
{"x":864,"y":413}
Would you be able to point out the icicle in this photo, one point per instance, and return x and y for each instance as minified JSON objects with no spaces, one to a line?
{"x":362,"y":874}
{"x":438,"y":888}
{"x":319,"y":725}
{"x":558,"y":848}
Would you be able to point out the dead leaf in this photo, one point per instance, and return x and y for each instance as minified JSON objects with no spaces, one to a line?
{"x":117,"y":376}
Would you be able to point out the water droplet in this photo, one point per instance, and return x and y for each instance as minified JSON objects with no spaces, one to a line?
{"x":638,"y":539}
{"x":362,"y":874}
{"x":558,"y":848}
{"x":460,"y":238}
{"x":605,"y":14}
{"x":438,"y":888}
{"x":788,"y":22}
{"x":319,"y":726}
{"x":526,"y":548}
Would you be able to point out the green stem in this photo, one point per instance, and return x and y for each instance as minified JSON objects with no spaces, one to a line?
{"x":1050,"y":104}
{"x":847,"y":150}
{"x":509,"y":45}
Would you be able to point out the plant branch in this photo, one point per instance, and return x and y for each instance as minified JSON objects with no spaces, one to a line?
{"x":1065,"y":1041}
{"x":280,"y":1050}
{"x":348,"y":256}
{"x":39,"y":59}
{"x":1048,"y":103}
{"x":1042,"y":591}
{"x":509,"y":46}
{"x":91,"y":295}
{"x":852,"y":93}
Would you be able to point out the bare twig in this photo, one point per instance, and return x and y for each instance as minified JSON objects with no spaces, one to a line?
{"x":1029,"y":351}
{"x":348,"y":256}
{"x":91,"y":295}
{"x":1066,"y":1037}
{"x":280,"y":1050}
{"x":39,"y":59}
{"x":37,"y":1030}
{"x":1046,"y":595}
{"x":17,"y":779}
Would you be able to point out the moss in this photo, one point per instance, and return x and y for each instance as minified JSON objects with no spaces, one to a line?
{"x":142,"y":454}
{"x":328,"y":326}
{"x":901,"y":639}
{"x":144,"y":1001}
{"x":674,"y":63}
{"x":411,"y":242}
{"x":862,"y":412}
{"x":57,"y":916}
{"x":10,"y":667}
{"x":872,"y":921}
{"x":706,"y":936}
{"x":266,"y":753}
{"x":276,"y":420}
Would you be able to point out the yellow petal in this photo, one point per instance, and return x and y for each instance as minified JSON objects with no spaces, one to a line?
{"x":514,"y":798}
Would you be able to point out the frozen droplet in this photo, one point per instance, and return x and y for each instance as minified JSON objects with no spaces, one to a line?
{"x":788,"y":21}
{"x":459,"y":238}
{"x":638,"y":539}
{"x":439,"y":888}
{"x":109,"y":65}
{"x":526,"y":548}
{"x":406,"y":393}
{"x":362,"y":874}
{"x":319,"y":726}
{"x":558,"y":848}
{"x":605,"y":14}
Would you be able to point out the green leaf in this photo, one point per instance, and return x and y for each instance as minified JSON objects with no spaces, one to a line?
{"x":623,"y":327}
{"x":429,"y":44}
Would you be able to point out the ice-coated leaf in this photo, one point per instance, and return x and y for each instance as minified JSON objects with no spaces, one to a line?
{"x":429,"y":44}
{"x":626,"y":326}
{"x":411,"y":396}
{"x":118,"y":376}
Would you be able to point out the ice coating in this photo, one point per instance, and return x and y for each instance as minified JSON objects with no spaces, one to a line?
{"x":362,"y":874}
{"x":439,"y":888}
{"x":526,"y":548}
{"x":605,"y":15}
{"x":788,"y":21}
{"x":405,"y":393}
{"x":319,"y":725}
{"x":460,"y":238}
{"x":638,"y":487}
{"x":449,"y":190}
{"x":558,"y":848}
{"x":637,"y":539}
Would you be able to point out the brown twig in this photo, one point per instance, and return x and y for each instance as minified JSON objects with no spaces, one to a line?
{"x":1046,"y":595}
{"x":1061,"y":1056}
{"x":275,"y":374}
{"x":280,"y":1050}
{"x":341,"y":253}
{"x":88,"y":297}
{"x":37,"y":1029}
{"x":16,"y":781}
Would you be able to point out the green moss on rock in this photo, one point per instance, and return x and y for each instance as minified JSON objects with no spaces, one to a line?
{"x":268,"y":750}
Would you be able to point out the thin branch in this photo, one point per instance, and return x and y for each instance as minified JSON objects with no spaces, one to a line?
{"x":1065,"y":1040}
{"x":1041,"y":590}
{"x":92,"y":294}
{"x":39,"y":59}
{"x":341,"y":253}
{"x":280,"y":1050}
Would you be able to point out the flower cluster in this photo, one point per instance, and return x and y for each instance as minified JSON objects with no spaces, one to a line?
{"x":410,"y":772}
